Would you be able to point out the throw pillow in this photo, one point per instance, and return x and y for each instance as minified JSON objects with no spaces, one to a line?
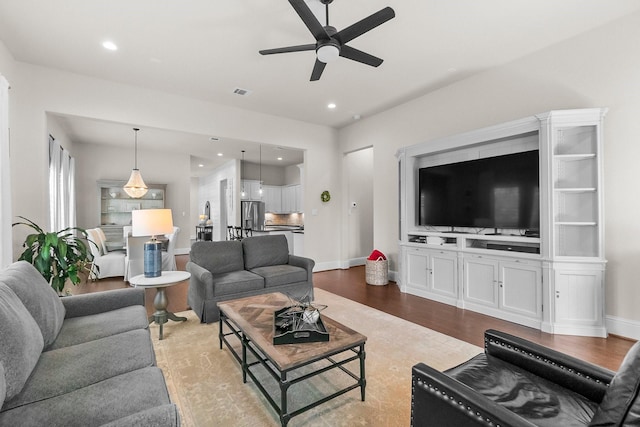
{"x":621,"y":404}
{"x":21,"y":342}
{"x":38,"y":297}
{"x":103,"y":240}
{"x":95,"y":244}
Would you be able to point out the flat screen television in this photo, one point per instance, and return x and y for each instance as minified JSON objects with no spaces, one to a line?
{"x":494,"y":192}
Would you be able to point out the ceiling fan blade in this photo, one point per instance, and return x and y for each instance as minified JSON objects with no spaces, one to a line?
{"x":360,"y":56}
{"x":318,"y":68}
{"x":299,"y":48}
{"x":364,"y":25}
{"x":309,"y":19}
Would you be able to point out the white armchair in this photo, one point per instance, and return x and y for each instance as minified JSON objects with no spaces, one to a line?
{"x":110,"y":264}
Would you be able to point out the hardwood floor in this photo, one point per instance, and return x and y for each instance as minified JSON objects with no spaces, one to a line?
{"x":462,"y":324}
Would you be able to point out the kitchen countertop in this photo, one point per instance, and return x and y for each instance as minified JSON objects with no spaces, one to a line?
{"x":293,"y":228}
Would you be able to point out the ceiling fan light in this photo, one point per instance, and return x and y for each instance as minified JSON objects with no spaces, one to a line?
{"x":328,"y":53}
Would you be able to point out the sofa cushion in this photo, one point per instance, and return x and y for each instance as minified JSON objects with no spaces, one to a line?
{"x":67,"y":369}
{"x":218,"y":257}
{"x":540,"y":401}
{"x":77,"y":330}
{"x":37,"y":296}
{"x":236,"y":282}
{"x":20,"y":341}
{"x":261,"y":251}
{"x":278,"y":275}
{"x":95,"y":405}
{"x":621,"y":403}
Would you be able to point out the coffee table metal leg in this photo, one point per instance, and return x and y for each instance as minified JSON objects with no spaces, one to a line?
{"x":221,"y":331}
{"x":245,"y":367}
{"x":284,"y":388}
{"x":363,"y":380}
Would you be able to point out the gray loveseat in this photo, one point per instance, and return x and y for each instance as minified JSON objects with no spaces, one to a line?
{"x":233,"y":269}
{"x":83,"y":360}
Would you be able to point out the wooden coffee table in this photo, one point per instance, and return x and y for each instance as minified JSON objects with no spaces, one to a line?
{"x":250,"y":320}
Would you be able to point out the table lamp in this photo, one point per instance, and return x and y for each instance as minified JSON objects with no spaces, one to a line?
{"x":152,"y":222}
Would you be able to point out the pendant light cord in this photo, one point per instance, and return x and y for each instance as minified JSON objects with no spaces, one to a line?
{"x":135,"y":150}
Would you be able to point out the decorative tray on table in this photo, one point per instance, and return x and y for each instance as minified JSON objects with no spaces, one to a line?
{"x":297,"y":324}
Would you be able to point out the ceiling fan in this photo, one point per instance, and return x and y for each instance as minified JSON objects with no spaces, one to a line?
{"x":331,"y":43}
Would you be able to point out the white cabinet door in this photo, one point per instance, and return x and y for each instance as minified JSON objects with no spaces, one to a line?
{"x":578,"y":297}
{"x":272,"y":196}
{"x":443,"y":271}
{"x":417,"y":269}
{"x":481,"y":281}
{"x":521,"y":289}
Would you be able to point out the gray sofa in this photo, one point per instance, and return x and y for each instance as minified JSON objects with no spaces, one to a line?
{"x":233,"y":269}
{"x":83,"y":360}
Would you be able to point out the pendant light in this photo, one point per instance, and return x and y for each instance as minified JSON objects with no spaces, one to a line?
{"x":243,"y":194}
{"x":135,"y":187}
{"x":261,"y":169}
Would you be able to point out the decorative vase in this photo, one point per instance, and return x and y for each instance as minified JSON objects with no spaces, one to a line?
{"x":310,"y":315}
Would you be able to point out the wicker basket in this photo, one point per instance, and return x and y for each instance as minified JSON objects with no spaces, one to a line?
{"x":377,"y":272}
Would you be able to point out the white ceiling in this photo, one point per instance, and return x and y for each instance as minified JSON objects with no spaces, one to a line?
{"x":205,"y":49}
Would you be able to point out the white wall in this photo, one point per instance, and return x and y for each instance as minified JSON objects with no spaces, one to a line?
{"x":597,"y":69}
{"x":38,"y":90}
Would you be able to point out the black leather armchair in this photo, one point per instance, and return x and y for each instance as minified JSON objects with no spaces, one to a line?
{"x":516,"y":382}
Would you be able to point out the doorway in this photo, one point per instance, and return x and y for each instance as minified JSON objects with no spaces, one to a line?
{"x":358,"y":167}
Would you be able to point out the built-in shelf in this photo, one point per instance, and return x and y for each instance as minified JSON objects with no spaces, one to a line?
{"x":552,"y":280}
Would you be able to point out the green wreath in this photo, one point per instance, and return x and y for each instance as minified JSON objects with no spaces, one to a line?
{"x":325,"y":196}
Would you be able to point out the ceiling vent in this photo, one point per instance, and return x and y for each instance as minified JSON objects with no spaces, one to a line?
{"x":242,"y":92}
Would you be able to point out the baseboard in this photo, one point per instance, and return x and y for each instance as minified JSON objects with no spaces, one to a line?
{"x":623,"y":327}
{"x":182,"y":251}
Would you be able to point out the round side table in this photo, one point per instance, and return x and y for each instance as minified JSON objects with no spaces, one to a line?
{"x":160,"y":302}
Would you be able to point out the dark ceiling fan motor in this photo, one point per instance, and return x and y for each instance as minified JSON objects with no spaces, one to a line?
{"x":331,"y":43}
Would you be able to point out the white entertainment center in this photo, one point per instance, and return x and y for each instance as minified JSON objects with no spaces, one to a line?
{"x":553,"y":279}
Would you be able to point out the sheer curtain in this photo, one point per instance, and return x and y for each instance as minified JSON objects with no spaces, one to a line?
{"x":62,"y":195}
{"x":6,"y":249}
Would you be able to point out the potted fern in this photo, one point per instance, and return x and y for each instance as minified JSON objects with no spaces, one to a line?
{"x":58,"y":256}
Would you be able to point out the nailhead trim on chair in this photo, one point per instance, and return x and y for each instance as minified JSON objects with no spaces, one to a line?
{"x":538,"y":357}
{"x":419,"y":382}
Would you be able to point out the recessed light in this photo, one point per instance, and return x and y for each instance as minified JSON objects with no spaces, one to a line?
{"x":200,"y":165}
{"x":219,"y":154}
{"x":279,"y":158}
{"x":109,"y":45}
{"x":331,"y":106}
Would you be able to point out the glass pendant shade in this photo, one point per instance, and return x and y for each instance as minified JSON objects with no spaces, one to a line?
{"x":135,"y":187}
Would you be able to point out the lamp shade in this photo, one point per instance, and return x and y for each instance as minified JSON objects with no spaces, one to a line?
{"x":135,"y":187}
{"x":151,"y":222}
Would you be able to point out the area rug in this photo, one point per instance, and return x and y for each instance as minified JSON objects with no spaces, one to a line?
{"x":206,"y":382}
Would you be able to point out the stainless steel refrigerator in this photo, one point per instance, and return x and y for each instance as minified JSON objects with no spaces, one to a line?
{"x":252,"y":215}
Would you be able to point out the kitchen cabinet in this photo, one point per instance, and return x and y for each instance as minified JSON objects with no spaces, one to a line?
{"x":251,"y":190}
{"x":291,"y":195}
{"x":272,"y":196}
